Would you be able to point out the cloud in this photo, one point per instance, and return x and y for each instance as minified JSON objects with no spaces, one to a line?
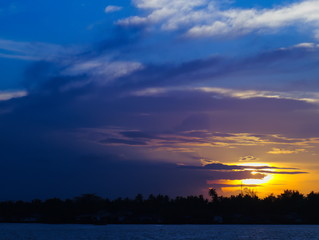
{"x":66,"y":174}
{"x":35,"y":51}
{"x":282,"y":172}
{"x":179,"y":140}
{"x":19,"y":57}
{"x":138,"y":135}
{"x":248,"y":158}
{"x":203,"y":18}
{"x":307,"y":45}
{"x":285,"y":151}
{"x":7,"y":95}
{"x":161,"y":10}
{"x":212,"y":74}
{"x":123,"y":141}
{"x":68,"y":61}
{"x":244,"y":172}
{"x":172,"y":13}
{"x":104,"y":68}
{"x":227,"y":175}
{"x":233,"y":175}
{"x":238,"y":21}
{"x":112,"y":8}
{"x":102,"y":64}
{"x":227,"y":167}
{"x":220,"y":185}
{"x":312,"y":97}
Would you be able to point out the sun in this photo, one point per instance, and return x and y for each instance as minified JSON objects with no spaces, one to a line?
{"x":252,"y":181}
{"x":252,"y":167}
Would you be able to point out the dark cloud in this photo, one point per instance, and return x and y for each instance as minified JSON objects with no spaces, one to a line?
{"x":282,"y":172}
{"x":121,"y":37}
{"x":137,"y":134}
{"x":221,"y":166}
{"x":164,"y":75}
{"x":220,"y":186}
{"x":123,"y":141}
{"x":223,"y":135}
{"x":235,"y":175}
{"x":67,"y":176}
{"x":217,"y":166}
{"x":208,"y":71}
{"x":248,"y":158}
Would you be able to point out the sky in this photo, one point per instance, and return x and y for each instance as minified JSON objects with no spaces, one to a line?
{"x":120,"y":97}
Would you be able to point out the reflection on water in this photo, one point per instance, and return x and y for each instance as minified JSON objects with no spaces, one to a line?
{"x":154,"y":232}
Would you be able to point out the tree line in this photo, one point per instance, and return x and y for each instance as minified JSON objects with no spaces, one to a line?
{"x":289,"y":207}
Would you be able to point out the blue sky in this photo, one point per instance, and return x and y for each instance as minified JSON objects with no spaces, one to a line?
{"x":99,"y":95}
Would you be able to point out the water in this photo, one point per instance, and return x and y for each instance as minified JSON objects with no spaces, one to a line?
{"x":160,"y":232}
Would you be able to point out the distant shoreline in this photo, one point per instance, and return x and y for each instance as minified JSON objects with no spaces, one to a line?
{"x":289,"y":208}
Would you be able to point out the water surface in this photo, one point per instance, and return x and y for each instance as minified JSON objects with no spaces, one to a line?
{"x":160,"y":232}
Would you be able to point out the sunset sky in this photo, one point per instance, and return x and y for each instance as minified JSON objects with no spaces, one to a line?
{"x":120,"y":97}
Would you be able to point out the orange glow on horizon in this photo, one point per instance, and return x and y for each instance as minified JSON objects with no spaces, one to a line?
{"x":273,"y":183}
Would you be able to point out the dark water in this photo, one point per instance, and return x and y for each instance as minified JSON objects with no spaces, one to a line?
{"x":163,"y":232}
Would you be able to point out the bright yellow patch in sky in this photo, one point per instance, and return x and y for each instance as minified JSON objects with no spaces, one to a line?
{"x":266,"y":179}
{"x":268,"y":176}
{"x":253,"y":164}
{"x":276,"y":179}
{"x":260,"y":184}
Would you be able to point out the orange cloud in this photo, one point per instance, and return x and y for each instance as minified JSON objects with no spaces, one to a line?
{"x":285,"y":151}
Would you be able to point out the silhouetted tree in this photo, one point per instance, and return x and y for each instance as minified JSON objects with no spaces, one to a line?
{"x":289,"y":207}
{"x":213,"y":194}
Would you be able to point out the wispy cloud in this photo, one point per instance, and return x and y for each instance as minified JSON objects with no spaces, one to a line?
{"x":311,"y":97}
{"x":34,"y":51}
{"x":189,"y":140}
{"x":286,"y":151}
{"x":71,"y":61}
{"x":282,"y":172}
{"x":307,"y":45}
{"x":113,"y":8}
{"x":7,"y":95}
{"x":229,"y":167}
{"x":248,"y":159}
{"x":101,"y":67}
{"x":203,"y":18}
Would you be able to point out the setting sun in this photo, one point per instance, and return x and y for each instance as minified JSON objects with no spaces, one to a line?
{"x":252,"y":181}
{"x":262,"y":178}
{"x":265,"y":180}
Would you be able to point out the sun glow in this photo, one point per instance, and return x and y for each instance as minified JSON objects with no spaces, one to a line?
{"x":266,"y":179}
{"x":254,"y":164}
{"x":254,"y":181}
{"x":263,"y":178}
